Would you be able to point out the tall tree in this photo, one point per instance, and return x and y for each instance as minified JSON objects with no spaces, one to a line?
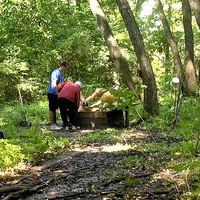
{"x":150,"y":93}
{"x":174,"y":48}
{"x":116,"y":55}
{"x":189,"y":48}
{"x":195,"y":6}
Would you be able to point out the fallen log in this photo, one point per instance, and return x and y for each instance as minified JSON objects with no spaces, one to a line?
{"x":29,"y":189}
{"x":12,"y":188}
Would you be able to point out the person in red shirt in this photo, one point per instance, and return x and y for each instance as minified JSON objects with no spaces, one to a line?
{"x":68,"y":102}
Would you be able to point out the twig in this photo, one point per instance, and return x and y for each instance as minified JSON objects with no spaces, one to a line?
{"x":77,"y":170}
{"x":117,"y":179}
{"x":12,"y":188}
{"x":124,"y":139}
{"x":196,"y":146}
{"x":70,"y":194}
{"x":29,"y":189}
{"x":158,"y":192}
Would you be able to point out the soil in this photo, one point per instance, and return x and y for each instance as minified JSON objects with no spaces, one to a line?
{"x":96,"y":172}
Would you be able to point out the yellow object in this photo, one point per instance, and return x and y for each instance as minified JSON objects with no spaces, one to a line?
{"x":106,"y":97}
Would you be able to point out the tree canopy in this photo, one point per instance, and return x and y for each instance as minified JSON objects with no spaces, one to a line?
{"x":36,"y":36}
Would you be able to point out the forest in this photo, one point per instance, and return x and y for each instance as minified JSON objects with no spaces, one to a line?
{"x":146,"y":52}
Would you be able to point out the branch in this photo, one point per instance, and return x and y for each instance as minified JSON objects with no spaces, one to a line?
{"x":28,"y":189}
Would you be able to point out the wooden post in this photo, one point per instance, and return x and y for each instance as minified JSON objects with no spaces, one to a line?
{"x":127,"y":125}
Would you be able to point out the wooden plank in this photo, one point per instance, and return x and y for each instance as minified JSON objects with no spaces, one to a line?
{"x":96,"y":121}
{"x":92,"y":114}
{"x":92,"y":120}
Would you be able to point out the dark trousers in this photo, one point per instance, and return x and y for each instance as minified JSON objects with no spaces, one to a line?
{"x":53,"y":101}
{"x":68,"y":109}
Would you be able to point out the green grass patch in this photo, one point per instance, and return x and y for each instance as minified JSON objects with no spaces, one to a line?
{"x":28,"y":147}
{"x":23,"y":147}
{"x":108,"y":136}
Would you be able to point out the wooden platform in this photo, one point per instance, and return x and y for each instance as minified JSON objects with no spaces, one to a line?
{"x":100,"y":120}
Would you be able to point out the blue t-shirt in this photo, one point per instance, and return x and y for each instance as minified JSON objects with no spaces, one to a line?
{"x":56,"y":74}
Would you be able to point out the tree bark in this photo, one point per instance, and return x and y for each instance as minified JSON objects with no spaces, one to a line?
{"x":116,"y":55}
{"x":150,"y":93}
{"x":189,"y":48}
{"x":174,"y":49}
{"x":195,"y":6}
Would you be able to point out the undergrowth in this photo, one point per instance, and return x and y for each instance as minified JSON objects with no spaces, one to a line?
{"x":26,"y":146}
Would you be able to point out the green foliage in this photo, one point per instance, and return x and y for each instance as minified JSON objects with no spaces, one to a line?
{"x":13,"y":112}
{"x":29,"y":146}
{"x":10,"y":154}
{"x":24,"y":146}
{"x":194,"y":164}
{"x":36,"y":37}
{"x":130,"y":181}
{"x":190,"y":168}
{"x":185,"y":147}
{"x":189,"y":117}
{"x":126,"y":100}
{"x":37,"y":112}
{"x":131,"y":161}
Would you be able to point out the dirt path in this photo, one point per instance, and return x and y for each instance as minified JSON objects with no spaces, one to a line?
{"x":98,"y":172}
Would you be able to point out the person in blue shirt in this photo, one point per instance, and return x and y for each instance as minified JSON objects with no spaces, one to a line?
{"x":52,"y":93}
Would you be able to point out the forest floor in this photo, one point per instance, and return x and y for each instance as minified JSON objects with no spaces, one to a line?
{"x":101,"y":170}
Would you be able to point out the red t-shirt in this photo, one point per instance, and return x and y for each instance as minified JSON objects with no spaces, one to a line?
{"x":70,"y":91}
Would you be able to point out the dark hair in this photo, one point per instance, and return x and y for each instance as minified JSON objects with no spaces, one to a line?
{"x":65,"y":63}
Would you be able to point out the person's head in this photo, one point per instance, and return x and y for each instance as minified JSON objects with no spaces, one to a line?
{"x":78,"y":83}
{"x":98,"y":92}
{"x":64,"y":66}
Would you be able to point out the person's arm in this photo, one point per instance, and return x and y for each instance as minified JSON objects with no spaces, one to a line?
{"x":54,"y":84}
{"x":55,"y":77}
{"x":78,"y":99}
{"x":60,"y":86}
{"x":91,"y":97}
{"x":81,"y":97}
{"x":96,"y":104}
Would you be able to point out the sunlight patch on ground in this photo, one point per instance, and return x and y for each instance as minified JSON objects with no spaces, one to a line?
{"x":117,"y":147}
{"x":135,"y":134}
{"x":13,"y":172}
{"x":86,"y":131}
{"x":170,"y":175}
{"x":113,"y":148}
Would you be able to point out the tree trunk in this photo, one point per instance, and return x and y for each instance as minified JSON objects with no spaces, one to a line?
{"x":150,"y":94}
{"x":166,"y":45}
{"x":173,"y":46}
{"x":116,"y":55}
{"x":195,"y":6}
{"x":189,"y":48}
